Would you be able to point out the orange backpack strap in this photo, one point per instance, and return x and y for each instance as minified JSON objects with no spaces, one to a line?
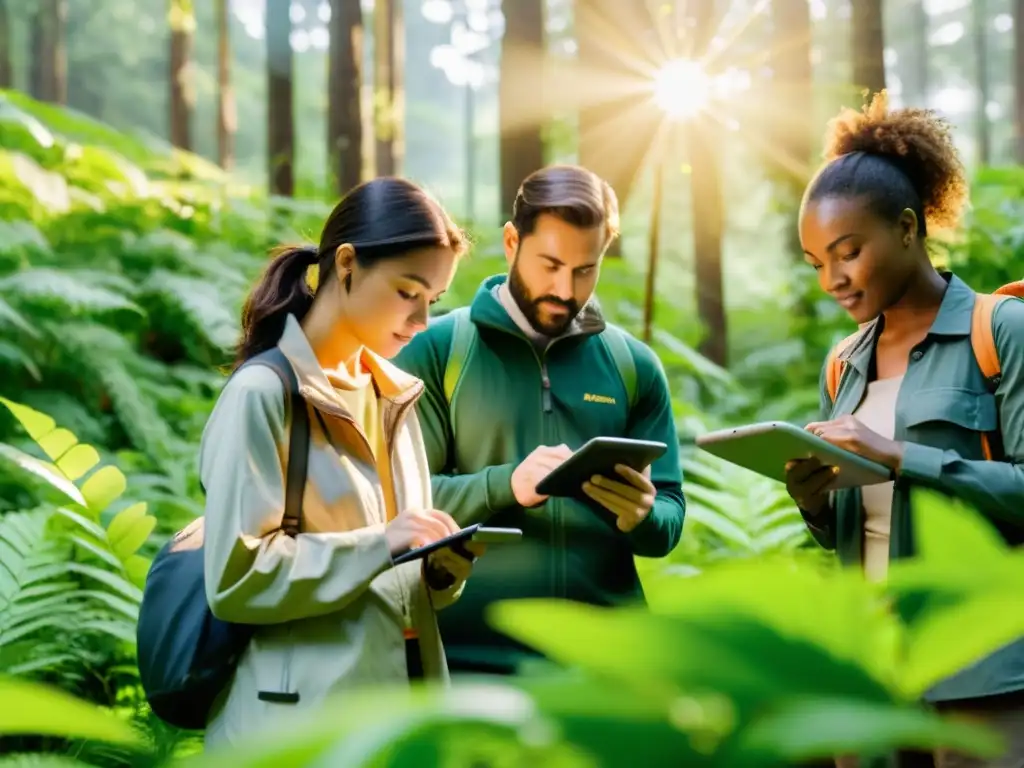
{"x":834,"y":365}
{"x":982,"y":339}
{"x":983,"y":342}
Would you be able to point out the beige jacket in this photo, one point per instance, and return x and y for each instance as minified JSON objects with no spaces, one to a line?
{"x":331,"y":608}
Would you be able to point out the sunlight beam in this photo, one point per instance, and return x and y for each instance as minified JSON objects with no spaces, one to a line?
{"x":682,"y":89}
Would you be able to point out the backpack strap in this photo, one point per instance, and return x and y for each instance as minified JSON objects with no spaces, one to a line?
{"x":463,"y":339}
{"x":614,"y":339}
{"x":464,"y":336}
{"x":298,"y":436}
{"x":983,"y":342}
{"x":835,"y":367}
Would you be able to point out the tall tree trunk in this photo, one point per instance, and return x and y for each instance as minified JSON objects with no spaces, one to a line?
{"x":389,"y":62}
{"x":227,"y":115}
{"x":979,"y":19}
{"x":280,"y":109}
{"x":1018,"y":72}
{"x":920,"y":24}
{"x":344,"y":82}
{"x":706,"y":195}
{"x":48,"y":73}
{"x":521,"y":143}
{"x":182,"y":101}
{"x":6,"y":71}
{"x":868,"y":45}
{"x":617,"y":121}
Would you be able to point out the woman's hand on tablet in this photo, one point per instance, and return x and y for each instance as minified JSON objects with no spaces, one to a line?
{"x":806,"y":482}
{"x":849,"y":433}
{"x":418,"y":527}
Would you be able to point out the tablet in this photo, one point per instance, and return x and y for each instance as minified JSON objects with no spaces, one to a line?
{"x":599,"y":457}
{"x":476,"y":532}
{"x":765,"y":448}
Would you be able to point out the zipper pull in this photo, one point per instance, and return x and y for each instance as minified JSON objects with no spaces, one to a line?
{"x":546,"y":389}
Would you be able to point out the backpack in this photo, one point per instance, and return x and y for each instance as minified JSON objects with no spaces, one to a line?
{"x":186,"y":655}
{"x":464,"y":337}
{"x":982,"y":342}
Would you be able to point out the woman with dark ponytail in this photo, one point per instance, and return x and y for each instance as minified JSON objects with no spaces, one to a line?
{"x":931,"y":385}
{"x":331,"y":609}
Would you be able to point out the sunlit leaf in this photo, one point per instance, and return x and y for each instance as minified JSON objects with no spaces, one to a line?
{"x":57,"y":443}
{"x":77,"y":461}
{"x":46,"y":471}
{"x":35,"y":423}
{"x":30,"y":708}
{"x":103,"y":486}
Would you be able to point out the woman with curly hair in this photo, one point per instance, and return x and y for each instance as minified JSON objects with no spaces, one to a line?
{"x":909,"y":389}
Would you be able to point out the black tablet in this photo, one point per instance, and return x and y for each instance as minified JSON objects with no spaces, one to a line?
{"x":599,"y":457}
{"x":475,"y":532}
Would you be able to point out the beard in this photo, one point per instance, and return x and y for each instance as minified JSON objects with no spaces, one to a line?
{"x":530,"y":306}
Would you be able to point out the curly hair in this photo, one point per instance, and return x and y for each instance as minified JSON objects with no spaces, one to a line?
{"x":896,"y":159}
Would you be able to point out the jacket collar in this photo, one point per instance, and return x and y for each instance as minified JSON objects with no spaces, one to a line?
{"x":486,"y":309}
{"x":953,"y":319}
{"x":393,"y":384}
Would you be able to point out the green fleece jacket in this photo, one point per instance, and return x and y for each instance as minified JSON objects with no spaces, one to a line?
{"x":511,"y":399}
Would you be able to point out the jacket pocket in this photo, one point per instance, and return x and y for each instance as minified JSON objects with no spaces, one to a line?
{"x":951,"y":418}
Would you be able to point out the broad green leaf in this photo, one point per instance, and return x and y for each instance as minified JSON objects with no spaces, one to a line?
{"x":77,"y":461}
{"x":57,"y":443}
{"x":943,"y":642}
{"x":715,"y":650}
{"x":103,"y":487}
{"x":35,"y":423}
{"x":33,"y":709}
{"x":822,"y":728}
{"x":950,"y":532}
{"x":46,"y":471}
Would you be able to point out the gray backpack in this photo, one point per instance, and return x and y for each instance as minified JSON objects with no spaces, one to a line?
{"x":186,"y":655}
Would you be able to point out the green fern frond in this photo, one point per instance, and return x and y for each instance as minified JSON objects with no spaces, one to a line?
{"x":200,"y":303}
{"x":67,"y":293}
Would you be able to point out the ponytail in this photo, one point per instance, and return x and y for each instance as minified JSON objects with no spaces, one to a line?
{"x":281,"y":291}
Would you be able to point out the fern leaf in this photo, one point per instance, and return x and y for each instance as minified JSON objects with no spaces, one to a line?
{"x":61,"y":291}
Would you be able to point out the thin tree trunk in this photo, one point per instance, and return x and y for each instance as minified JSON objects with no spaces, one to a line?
{"x":521,"y":143}
{"x":56,"y":31}
{"x":48,"y":79}
{"x":344,"y":82}
{"x":617,"y":121}
{"x":280,"y":109}
{"x":920,"y":24}
{"x":706,"y":197}
{"x":227,"y":115}
{"x":979,"y":18}
{"x":6,"y":71}
{"x":182,"y":96}
{"x":868,"y":45}
{"x":1018,"y":82}
{"x":48,"y":74}
{"x":388,"y":65}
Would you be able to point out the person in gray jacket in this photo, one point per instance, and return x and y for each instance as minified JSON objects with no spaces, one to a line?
{"x":332,"y":610}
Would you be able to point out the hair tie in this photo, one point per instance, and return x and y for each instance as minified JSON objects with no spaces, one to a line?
{"x":312,"y":275}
